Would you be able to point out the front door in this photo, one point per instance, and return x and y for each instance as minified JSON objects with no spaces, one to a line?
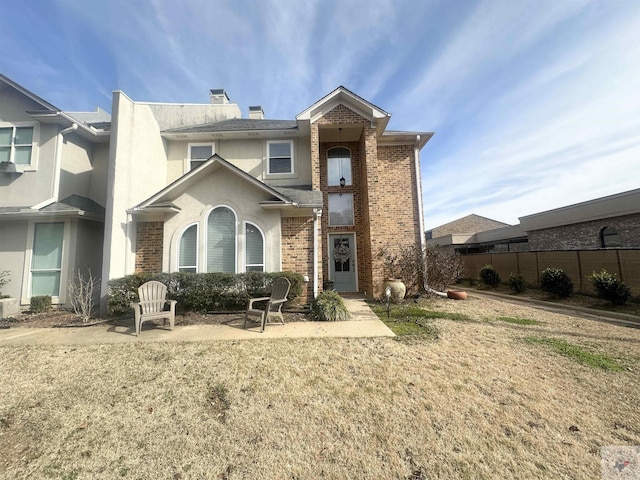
{"x":342,"y":262}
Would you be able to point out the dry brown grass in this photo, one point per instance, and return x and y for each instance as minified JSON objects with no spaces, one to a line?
{"x":479,"y":402}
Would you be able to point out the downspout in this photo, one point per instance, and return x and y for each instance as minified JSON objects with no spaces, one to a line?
{"x":317,"y":214}
{"x":57,"y":167}
{"x":427,"y":288}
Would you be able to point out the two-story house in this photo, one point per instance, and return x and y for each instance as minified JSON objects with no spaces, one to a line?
{"x":53,"y":183}
{"x":198,"y":188}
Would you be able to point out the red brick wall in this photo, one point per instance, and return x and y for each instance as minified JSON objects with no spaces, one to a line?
{"x":384,"y":193}
{"x":297,"y":250}
{"x":149,"y":247}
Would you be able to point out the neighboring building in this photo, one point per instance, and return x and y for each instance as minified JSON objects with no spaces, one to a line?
{"x":184,"y":187}
{"x":53,"y":188}
{"x":466,"y":225}
{"x":607,"y":222}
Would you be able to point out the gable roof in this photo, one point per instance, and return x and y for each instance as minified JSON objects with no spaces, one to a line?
{"x":467,"y":225}
{"x":46,"y":105}
{"x":346,"y":97}
{"x":293,"y":197}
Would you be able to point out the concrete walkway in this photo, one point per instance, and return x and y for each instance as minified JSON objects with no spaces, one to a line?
{"x":363,"y":323}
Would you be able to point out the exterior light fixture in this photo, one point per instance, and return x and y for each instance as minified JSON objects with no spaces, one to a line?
{"x":342,"y":181}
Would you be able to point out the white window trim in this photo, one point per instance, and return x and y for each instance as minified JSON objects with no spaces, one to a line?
{"x":244,"y":247}
{"x":268,"y":157}
{"x":35,"y":142}
{"x":177,"y":251}
{"x":205,"y":244}
{"x":187,"y":160}
{"x":353,"y":210}
{"x":64,"y":273}
{"x":350,"y":165}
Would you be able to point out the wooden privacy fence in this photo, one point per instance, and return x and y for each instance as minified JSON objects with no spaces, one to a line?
{"x":578,"y":264}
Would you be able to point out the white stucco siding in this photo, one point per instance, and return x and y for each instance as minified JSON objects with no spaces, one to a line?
{"x":223,"y":189}
{"x":178,"y":115}
{"x":137,"y":170}
{"x":99,"y":173}
{"x":13,"y":238}
{"x":75,"y":167}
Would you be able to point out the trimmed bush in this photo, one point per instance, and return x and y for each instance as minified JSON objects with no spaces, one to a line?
{"x":203,"y":292}
{"x":516,"y":282}
{"x":556,"y":282}
{"x":609,"y":287}
{"x":329,"y":306}
{"x":41,"y":303}
{"x":489,"y":275}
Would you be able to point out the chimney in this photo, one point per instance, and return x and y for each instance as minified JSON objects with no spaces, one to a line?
{"x":218,"y":97}
{"x":256,"y":113}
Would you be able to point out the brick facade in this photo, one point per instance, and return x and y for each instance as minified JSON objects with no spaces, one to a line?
{"x":586,"y":234}
{"x":385,"y":200}
{"x":297,"y":251}
{"x":149,"y":247}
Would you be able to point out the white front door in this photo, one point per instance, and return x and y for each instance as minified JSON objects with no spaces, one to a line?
{"x":342,"y":262}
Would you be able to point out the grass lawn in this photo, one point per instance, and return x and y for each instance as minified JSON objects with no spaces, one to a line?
{"x":462,"y":393}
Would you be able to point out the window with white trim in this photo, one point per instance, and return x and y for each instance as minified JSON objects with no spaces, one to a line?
{"x":338,"y":166}
{"x":17,"y":144}
{"x":254,"y":248}
{"x":221,"y":240}
{"x":280,"y":157}
{"x":340,"y":209}
{"x":46,"y":260}
{"x":188,"y":250}
{"x":199,"y":153}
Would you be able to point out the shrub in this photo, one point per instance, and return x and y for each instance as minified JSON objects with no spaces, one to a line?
{"x":329,"y":306}
{"x":82,"y":290}
{"x":40,"y":303}
{"x":609,"y":287}
{"x":489,"y":275}
{"x":3,"y":279}
{"x":516,"y":282}
{"x":417,"y":268}
{"x":203,"y":292}
{"x":556,"y":282}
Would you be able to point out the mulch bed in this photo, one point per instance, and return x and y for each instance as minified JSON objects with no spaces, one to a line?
{"x":62,"y":318}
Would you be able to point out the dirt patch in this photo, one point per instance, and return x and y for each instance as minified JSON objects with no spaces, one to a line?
{"x":63,"y":318}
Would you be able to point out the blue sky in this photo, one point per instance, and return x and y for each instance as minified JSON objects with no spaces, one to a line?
{"x":534,"y":104}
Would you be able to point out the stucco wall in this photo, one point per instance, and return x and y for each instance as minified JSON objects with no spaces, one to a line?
{"x":221,"y":188}
{"x":13,"y":238}
{"x":75,"y":167}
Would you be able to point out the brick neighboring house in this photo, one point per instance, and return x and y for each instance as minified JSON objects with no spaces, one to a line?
{"x":196,"y":187}
{"x":607,"y":222}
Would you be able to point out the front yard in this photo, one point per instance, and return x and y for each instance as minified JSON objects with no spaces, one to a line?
{"x":491,"y":390}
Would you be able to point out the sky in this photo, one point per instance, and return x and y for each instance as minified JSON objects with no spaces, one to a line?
{"x":535,"y":104}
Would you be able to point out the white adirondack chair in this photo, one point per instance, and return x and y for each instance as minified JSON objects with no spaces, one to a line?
{"x":273,"y":308}
{"x":152,"y":305}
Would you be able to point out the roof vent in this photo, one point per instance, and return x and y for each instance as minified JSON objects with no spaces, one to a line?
{"x":218,"y":96}
{"x":256,"y":113}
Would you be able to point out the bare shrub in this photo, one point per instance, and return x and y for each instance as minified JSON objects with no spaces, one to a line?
{"x":82,"y":291}
{"x":3,"y":279}
{"x":432,"y":267}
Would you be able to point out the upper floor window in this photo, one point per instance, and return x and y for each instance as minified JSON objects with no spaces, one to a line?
{"x":609,"y":237}
{"x":279,"y":157}
{"x":338,"y":166}
{"x":340,"y":209}
{"x":199,"y":153}
{"x":16,"y":144}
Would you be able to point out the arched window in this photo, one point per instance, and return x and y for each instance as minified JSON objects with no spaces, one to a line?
{"x":188,"y":250}
{"x":221,"y":241}
{"x":254,"y":249}
{"x":338,"y":166}
{"x":609,"y":237}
